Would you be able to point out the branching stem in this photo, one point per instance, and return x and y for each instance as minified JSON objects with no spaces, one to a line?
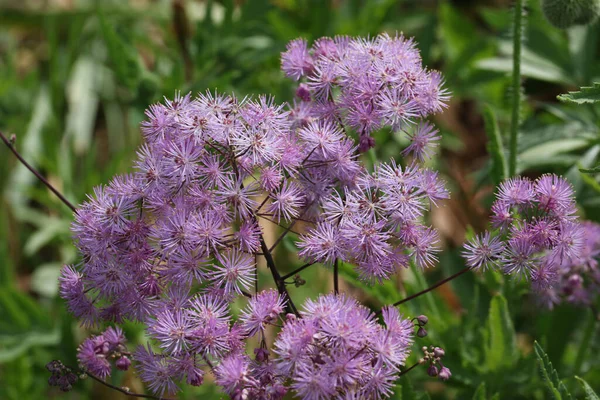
{"x":11,"y":147}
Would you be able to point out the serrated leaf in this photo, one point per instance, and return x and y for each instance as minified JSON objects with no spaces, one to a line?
{"x":501,"y":350}
{"x":590,"y":394}
{"x":556,"y":388}
{"x":587,"y":94}
{"x":594,"y":170}
{"x":495,"y":146}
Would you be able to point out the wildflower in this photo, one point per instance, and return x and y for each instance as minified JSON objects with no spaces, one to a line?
{"x":483,"y":251}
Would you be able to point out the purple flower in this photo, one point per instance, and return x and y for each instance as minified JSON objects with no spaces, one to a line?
{"x":232,"y":374}
{"x":235,"y":272}
{"x":555,"y":195}
{"x":483,"y":251}
{"x":323,"y":244}
{"x":172,"y":329}
{"x":337,"y":345}
{"x":263,"y":309}
{"x":155,"y":371}
{"x":175,"y":243}
{"x":286,"y":202}
{"x":424,"y":137}
{"x":296,"y":62}
{"x":519,"y":257}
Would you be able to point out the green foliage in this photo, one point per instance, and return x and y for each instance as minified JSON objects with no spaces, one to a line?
{"x":557,"y":389}
{"x":566,"y":13}
{"x":589,"y":94}
{"x":502,"y":348}
{"x":495,"y":146}
{"x":74,"y":83}
{"x":594,"y":170}
{"x":590,"y":394}
{"x":25,"y":324}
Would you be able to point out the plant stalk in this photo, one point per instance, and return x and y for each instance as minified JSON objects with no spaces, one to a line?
{"x":516,"y":85}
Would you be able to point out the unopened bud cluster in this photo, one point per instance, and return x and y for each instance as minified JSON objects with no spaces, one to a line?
{"x":433,"y":356}
{"x":61,"y":376}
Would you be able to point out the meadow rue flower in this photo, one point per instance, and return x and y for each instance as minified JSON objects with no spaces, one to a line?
{"x":95,"y":353}
{"x":537,"y":232}
{"x":338,"y":347}
{"x":577,"y":279}
{"x":174,"y":243}
{"x":368,"y":84}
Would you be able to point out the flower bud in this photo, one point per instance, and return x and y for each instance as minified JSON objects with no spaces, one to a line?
{"x":303,"y":92}
{"x":421,"y":332}
{"x":123,"y":363}
{"x":290,"y":317}
{"x":195,"y":378}
{"x":438,"y":352}
{"x":422,"y":319}
{"x":445,"y":374}
{"x":432,"y":370}
{"x":262,"y":355}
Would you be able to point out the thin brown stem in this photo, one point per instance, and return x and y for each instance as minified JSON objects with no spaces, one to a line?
{"x":406,"y":371}
{"x":275,"y":222}
{"x":9,"y":144}
{"x":280,"y":238}
{"x":297,"y":270}
{"x":429,"y":289}
{"x":277,"y":277}
{"x":336,"y":283}
{"x":125,"y":392}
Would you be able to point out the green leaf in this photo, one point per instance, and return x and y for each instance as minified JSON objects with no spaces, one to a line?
{"x":556,"y":388}
{"x":590,"y":394}
{"x":44,"y":279}
{"x":24,"y":324}
{"x":593,"y":170}
{"x":123,"y":55}
{"x":495,"y":146}
{"x":591,"y":182}
{"x":587,"y":94}
{"x":480,"y":392}
{"x":501,"y":350}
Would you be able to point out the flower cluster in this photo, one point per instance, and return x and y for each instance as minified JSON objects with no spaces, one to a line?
{"x":374,"y":224}
{"x":95,"y":353}
{"x":537,"y":231}
{"x":578,"y":280}
{"x":338,"y":349}
{"x":433,"y":356}
{"x":61,"y":376}
{"x":367,"y":84}
{"x":174,"y":243}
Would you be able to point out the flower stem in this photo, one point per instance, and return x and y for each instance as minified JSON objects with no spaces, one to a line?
{"x":125,"y":392}
{"x":9,"y":144}
{"x":434,"y":286}
{"x":516,"y":85}
{"x":297,"y":270}
{"x":336,"y":284}
{"x":279,"y":281}
{"x":406,"y":371}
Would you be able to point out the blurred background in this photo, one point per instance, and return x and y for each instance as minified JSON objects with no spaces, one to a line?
{"x":77,"y":75}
